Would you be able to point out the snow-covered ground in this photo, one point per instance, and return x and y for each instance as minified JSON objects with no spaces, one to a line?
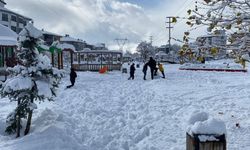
{"x":109,"y":112}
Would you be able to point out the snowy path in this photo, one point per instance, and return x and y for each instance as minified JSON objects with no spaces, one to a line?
{"x":109,"y":112}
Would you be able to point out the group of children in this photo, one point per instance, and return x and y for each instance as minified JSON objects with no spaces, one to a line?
{"x":153,"y":69}
{"x":151,"y":64}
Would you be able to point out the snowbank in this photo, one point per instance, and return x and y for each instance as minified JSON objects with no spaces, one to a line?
{"x":109,"y":112}
{"x":211,"y":66}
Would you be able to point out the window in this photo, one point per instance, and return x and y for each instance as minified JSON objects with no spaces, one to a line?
{"x":24,"y":23}
{"x":5,"y":17}
{"x":20,"y":20}
{"x":13,"y":18}
{"x":19,"y":30}
{"x":13,"y":28}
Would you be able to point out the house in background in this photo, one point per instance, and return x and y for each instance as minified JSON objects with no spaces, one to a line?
{"x":12,"y":20}
{"x":217,"y":40}
{"x":77,"y":43}
{"x":50,"y":37}
{"x":8,"y":45}
{"x":100,"y":46}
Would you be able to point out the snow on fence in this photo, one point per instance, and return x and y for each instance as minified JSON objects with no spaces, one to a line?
{"x":205,"y":133}
{"x":94,"y":60}
{"x":95,"y":67}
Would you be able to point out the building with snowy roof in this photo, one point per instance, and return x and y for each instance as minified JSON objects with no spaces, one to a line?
{"x":77,"y":43}
{"x":217,"y":40}
{"x":100,"y":46}
{"x":50,"y":37}
{"x":12,"y":20}
{"x":8,"y":45}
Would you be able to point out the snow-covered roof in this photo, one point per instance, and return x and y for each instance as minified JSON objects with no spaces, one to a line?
{"x":49,"y":33}
{"x":7,"y":36}
{"x":66,"y":46}
{"x":127,"y":55}
{"x":211,"y":35}
{"x":99,"y":51}
{"x":161,"y":53}
{"x":69,"y":39}
{"x":31,"y":31}
{"x":99,"y":45}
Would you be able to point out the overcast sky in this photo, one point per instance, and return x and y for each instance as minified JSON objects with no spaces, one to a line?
{"x":97,"y":21}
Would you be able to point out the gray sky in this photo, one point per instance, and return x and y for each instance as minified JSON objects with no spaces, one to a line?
{"x":98,"y":21}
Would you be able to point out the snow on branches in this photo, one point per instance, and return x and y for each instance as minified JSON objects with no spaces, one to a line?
{"x":32,"y":79}
{"x":221,"y":14}
{"x":146,"y":50}
{"x":229,"y":15}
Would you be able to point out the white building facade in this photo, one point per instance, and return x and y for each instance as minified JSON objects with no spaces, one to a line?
{"x":14,"y":21}
{"x":217,"y":40}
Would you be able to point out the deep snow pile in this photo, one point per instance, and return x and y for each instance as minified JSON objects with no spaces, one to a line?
{"x":221,"y":64}
{"x":109,"y":112}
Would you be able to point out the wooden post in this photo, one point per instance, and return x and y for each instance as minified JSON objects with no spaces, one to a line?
{"x":52,"y":60}
{"x":197,"y":142}
{"x":71,"y":58}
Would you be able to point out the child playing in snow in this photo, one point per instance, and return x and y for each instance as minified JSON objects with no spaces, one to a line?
{"x":144,"y":70}
{"x":73,"y":76}
{"x":132,"y":72}
{"x":161,"y":69}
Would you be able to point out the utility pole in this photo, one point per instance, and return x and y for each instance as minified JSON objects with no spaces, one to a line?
{"x":169,"y":27}
{"x":151,"y":39}
{"x":121,"y":43}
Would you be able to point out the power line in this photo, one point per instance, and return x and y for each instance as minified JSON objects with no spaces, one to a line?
{"x":121,"y":43}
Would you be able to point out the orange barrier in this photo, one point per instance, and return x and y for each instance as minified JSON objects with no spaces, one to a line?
{"x":103,"y":70}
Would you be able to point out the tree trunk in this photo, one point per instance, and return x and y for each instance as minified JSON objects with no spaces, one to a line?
{"x":18,"y":126}
{"x":27,"y":130}
{"x":18,"y":119}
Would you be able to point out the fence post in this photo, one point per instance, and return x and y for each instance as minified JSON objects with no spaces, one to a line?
{"x":205,"y":134}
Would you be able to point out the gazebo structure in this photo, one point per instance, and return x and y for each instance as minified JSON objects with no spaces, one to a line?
{"x":127,"y":58}
{"x":8,"y":45}
{"x":94,"y":60}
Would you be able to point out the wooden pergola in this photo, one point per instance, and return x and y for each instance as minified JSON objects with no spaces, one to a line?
{"x":60,"y":55}
{"x":94,"y":60}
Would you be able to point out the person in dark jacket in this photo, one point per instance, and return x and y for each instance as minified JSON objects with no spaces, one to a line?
{"x":144,"y":70}
{"x":152,"y":65}
{"x":73,"y":76}
{"x":132,"y":72}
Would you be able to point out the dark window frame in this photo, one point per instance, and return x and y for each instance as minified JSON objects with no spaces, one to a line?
{"x":5,"y":17}
{"x":13,"y":28}
{"x":13,"y":18}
